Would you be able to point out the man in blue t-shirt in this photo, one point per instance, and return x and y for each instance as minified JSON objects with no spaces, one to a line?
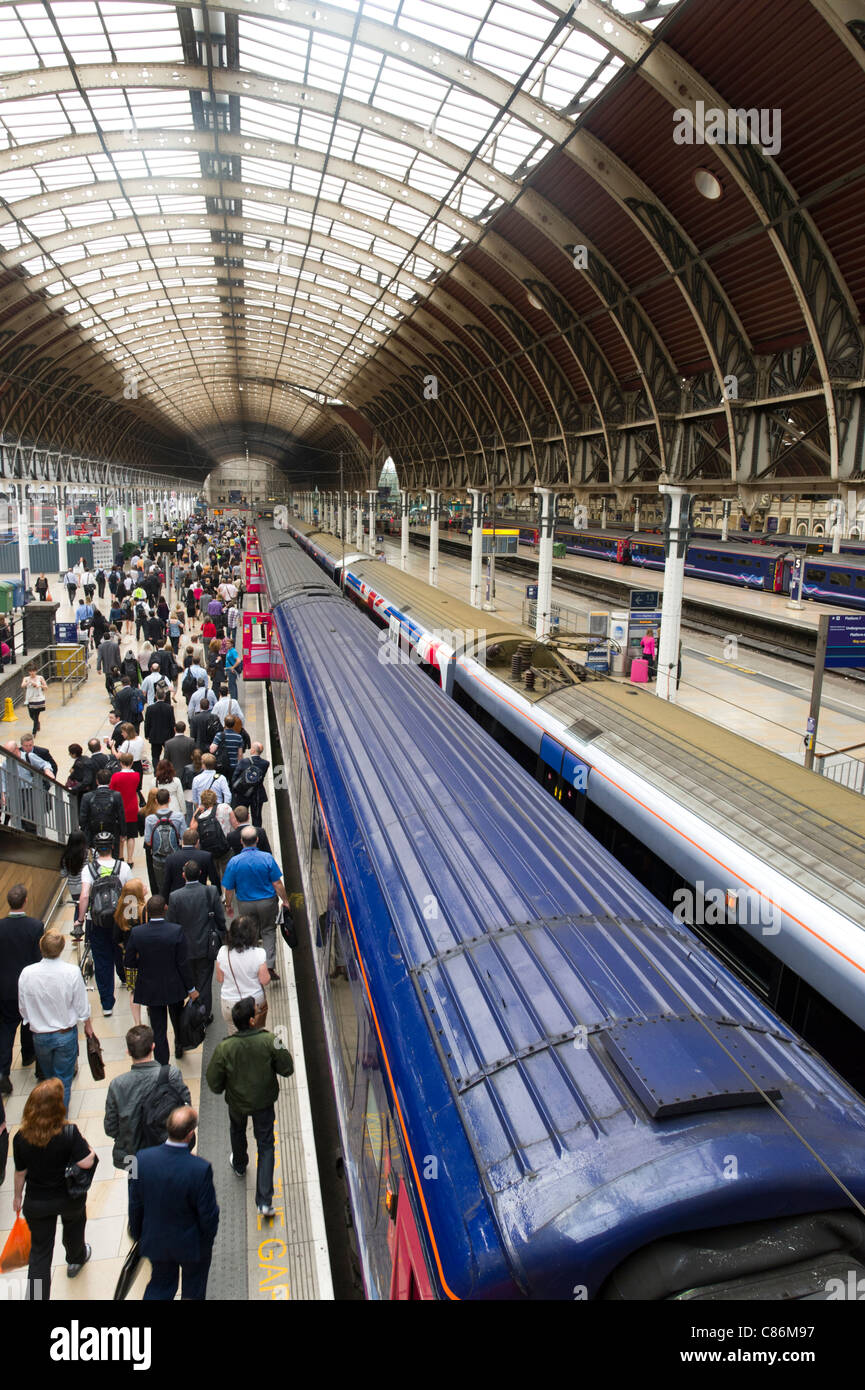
{"x":233,"y":669}
{"x":255,"y":879}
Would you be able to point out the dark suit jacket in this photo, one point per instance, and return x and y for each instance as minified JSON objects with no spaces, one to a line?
{"x":158,"y":721}
{"x":178,"y":751}
{"x":172,"y":1205}
{"x":174,"y":868}
{"x":234,"y":840}
{"x":19,"y":946}
{"x":157,"y":950}
{"x":192,"y":906}
{"x":44,"y":754}
{"x":85,"y":812}
{"x":126,"y":704}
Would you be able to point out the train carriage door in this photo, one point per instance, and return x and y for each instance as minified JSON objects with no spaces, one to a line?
{"x":409,"y":1277}
{"x":778,"y":578}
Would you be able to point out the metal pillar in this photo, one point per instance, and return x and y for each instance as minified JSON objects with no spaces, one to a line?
{"x":725,"y":518}
{"x":23,"y":531}
{"x":435,"y":506}
{"x":103,"y":520}
{"x":839,"y":529}
{"x":603,"y":513}
{"x":637,"y":501}
{"x":674,"y":583}
{"x":372,"y":497}
{"x":62,"y":549}
{"x":359,"y":520}
{"x":546,"y":533}
{"x":403,"y":529}
{"x":477,"y":495}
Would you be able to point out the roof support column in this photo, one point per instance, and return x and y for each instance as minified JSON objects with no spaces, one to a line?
{"x":477,"y":495}
{"x":637,"y":501}
{"x":603,"y":513}
{"x":133,"y":519}
{"x":727,"y":507}
{"x":23,"y":531}
{"x":100,"y":509}
{"x":403,"y":528}
{"x":435,"y":506}
{"x":358,"y":520}
{"x":667,"y":682}
{"x":62,"y":548}
{"x":546,"y":532}
{"x":372,"y":495}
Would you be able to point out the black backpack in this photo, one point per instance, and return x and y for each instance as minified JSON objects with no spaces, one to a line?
{"x":105,"y":894}
{"x":130,"y":668}
{"x":165,"y":839}
{"x":209,"y":729}
{"x":164,"y":1096}
{"x":160,"y":690}
{"x":189,"y":686}
{"x":247,"y":774}
{"x":103,"y":811}
{"x":211,"y":835}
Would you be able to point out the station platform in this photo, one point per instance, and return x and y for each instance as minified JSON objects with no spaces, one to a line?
{"x":762,"y":697}
{"x":283,"y":1258}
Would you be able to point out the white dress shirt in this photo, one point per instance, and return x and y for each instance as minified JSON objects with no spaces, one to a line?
{"x":210,"y":781}
{"x":226,"y":706}
{"x":52,"y":996}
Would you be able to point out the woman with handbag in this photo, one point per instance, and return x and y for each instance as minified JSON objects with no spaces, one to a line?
{"x":54,"y":1167}
{"x":34,"y":687}
{"x":130,"y":912}
{"x":242,"y":971}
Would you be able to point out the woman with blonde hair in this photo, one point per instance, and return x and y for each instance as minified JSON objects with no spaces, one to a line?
{"x":43,"y":1148}
{"x":209,"y":809}
{"x":130,"y":912}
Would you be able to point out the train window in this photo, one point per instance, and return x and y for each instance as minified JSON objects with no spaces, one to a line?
{"x":304,"y":825}
{"x":840,"y":579}
{"x":817,"y":576}
{"x":343,"y":1008}
{"x":318,"y":871}
{"x":373,"y":1134}
{"x":860,"y":581}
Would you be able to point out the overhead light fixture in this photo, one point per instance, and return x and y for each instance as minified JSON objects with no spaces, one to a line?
{"x":707,"y":184}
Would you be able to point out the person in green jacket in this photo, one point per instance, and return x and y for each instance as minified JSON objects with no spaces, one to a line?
{"x":245,"y":1067}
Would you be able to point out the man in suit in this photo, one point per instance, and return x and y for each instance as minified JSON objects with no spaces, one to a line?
{"x":247,"y":782}
{"x":173,"y":1211}
{"x":28,"y":746}
{"x":158,"y":726}
{"x":178,"y":750}
{"x":157,"y":950}
{"x":188,"y":850}
{"x":198,"y":909}
{"x":19,"y":946}
{"x":126,"y":702}
{"x":241,"y":815}
{"x":102,"y":810}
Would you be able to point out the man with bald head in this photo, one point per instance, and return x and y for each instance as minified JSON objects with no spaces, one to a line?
{"x":173,"y":1211}
{"x":247,"y":781}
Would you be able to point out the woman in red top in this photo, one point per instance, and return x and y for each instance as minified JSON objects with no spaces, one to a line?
{"x":127,"y":782}
{"x":208,"y":629}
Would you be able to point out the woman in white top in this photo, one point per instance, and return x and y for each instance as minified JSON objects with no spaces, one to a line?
{"x":34,"y":687}
{"x":166,"y":777}
{"x":240,"y":967}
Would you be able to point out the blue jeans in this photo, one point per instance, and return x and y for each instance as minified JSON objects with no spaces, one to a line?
{"x":106,"y":958}
{"x":56,"y":1055}
{"x":232,"y":685}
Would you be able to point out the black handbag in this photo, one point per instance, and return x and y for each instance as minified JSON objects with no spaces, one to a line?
{"x":286,"y":925}
{"x":127,"y":1273}
{"x":78,"y":1180}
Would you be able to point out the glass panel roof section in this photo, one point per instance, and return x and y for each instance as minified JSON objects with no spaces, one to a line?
{"x":273,"y":194}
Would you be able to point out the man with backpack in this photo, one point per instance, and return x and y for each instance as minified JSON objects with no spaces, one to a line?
{"x":128,"y":702}
{"x":210,"y":779}
{"x":101,"y":812}
{"x":155,"y":686}
{"x":163,"y":832}
{"x":139,"y":1102}
{"x":247,"y":783}
{"x":102,"y":878}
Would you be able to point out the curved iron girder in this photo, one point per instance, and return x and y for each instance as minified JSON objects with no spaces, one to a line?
{"x":846,"y":20}
{"x":399,"y":389}
{"x":455,"y":316}
{"x":426,"y":328}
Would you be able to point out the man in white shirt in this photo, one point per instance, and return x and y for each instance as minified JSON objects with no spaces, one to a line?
{"x":149,"y":684}
{"x":88,"y":584}
{"x":198,"y":696}
{"x":102,"y":865}
{"x":209,"y":779}
{"x":52,"y":1000}
{"x":225,"y":706}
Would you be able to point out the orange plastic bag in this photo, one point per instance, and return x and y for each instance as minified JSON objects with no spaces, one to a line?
{"x":16,"y":1251}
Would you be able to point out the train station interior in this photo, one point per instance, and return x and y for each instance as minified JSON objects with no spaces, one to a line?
{"x":491,"y":377}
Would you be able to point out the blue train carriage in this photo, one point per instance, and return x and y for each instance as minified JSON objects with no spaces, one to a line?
{"x":543,"y":1080}
{"x":599,"y":544}
{"x":748,"y":566}
{"x":830,"y":579}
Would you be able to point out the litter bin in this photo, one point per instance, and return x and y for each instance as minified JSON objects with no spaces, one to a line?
{"x":6,"y":596}
{"x":559,"y":550}
{"x":19,"y":594}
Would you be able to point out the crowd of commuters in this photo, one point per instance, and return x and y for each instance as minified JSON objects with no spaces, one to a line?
{"x":207,"y":902}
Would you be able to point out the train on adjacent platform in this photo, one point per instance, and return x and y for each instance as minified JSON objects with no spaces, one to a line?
{"x":540,"y":1074}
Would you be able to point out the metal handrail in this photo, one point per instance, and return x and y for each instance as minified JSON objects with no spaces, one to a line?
{"x":833,"y":752}
{"x":48,"y":664}
{"x":31,"y":800}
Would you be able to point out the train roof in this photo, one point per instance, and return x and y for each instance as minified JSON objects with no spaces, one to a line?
{"x":537,"y":931}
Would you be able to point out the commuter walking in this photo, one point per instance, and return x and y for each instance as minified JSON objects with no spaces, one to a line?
{"x":102,"y":881}
{"x":241,"y":969}
{"x":43,"y":1149}
{"x":34,"y":687}
{"x":173,"y":1212}
{"x":163,"y":832}
{"x":198,"y":908}
{"x":246,"y":1067}
{"x":19,"y":947}
{"x":255,"y":879}
{"x":157,"y":950}
{"x":140,"y":1097}
{"x":52,"y":1000}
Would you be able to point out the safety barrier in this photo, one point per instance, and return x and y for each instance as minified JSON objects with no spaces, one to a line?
{"x":848,"y":771}
{"x":32,"y":801}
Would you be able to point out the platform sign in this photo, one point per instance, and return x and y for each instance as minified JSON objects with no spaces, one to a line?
{"x":495,"y":541}
{"x":845,"y":644}
{"x":65,"y":633}
{"x":103,"y":552}
{"x":532,"y":592}
{"x":645,"y":600}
